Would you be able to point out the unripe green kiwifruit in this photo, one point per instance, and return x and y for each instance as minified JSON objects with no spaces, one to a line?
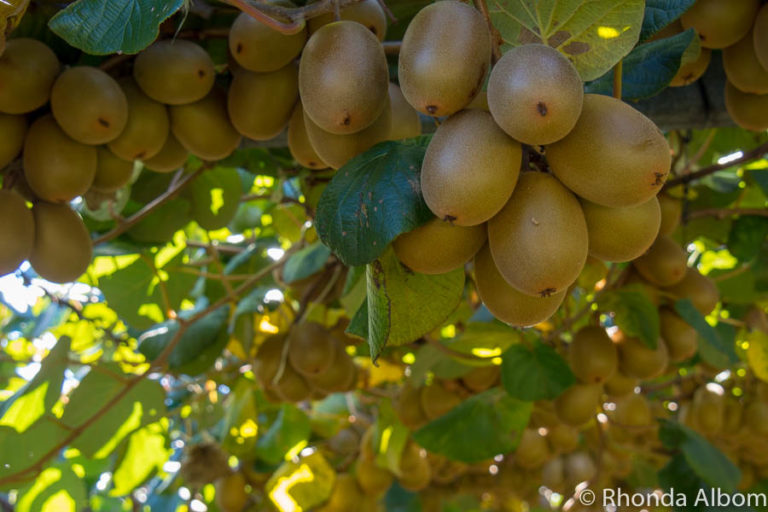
{"x":89,"y":105}
{"x":621,"y":234}
{"x":720,"y":23}
{"x":692,"y":71}
{"x":174,"y":72}
{"x":298,"y":141}
{"x":681,"y":339}
{"x":444,"y":57}
{"x":749,"y":111}
{"x":57,"y":168}
{"x":633,"y":411}
{"x":592,"y":355}
{"x":535,"y":94}
{"x":345,"y":496}
{"x":405,"y":120}
{"x":170,"y":158}
{"x":481,"y":378}
{"x":62,"y":250}
{"x":637,"y":360}
{"x":28,"y":69}
{"x":204,"y":128}
{"x":343,"y":78}
{"x":13,"y":129}
{"x":312,"y":348}
{"x":408,"y":407}
{"x":258,"y":47}
{"x":578,"y":404}
{"x":465,"y":142}
{"x":671,"y":213}
{"x":532,"y":451}
{"x":708,"y":410}
{"x":437,"y":401}
{"x":760,"y":36}
{"x":268,"y":359}
{"x":742,"y":67}
{"x":634,"y":155}
{"x":371,"y":478}
{"x":415,"y":471}
{"x":507,"y":303}
{"x":147,"y":128}
{"x":17,"y":231}
{"x":111,"y":172}
{"x":230,"y":492}
{"x":438,"y":247}
{"x":291,"y":386}
{"x":539,"y":240}
{"x":665,"y":263}
{"x":336,"y":150}
{"x":368,"y":13}
{"x":260,"y":104}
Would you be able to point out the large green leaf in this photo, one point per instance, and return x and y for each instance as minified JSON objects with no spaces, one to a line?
{"x":748,"y":236}
{"x":535,"y":373}
{"x":290,"y":429}
{"x":22,"y":451}
{"x":371,"y":200}
{"x":56,"y":489}
{"x":305,"y":262}
{"x":101,"y":27}
{"x":215,"y":197}
{"x":690,"y":314}
{"x":660,"y":13}
{"x":146,"y":453}
{"x":480,"y":428}
{"x":635,"y":313}
{"x":593,"y":34}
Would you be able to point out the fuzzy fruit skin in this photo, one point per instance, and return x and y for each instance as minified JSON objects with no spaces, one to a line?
{"x":743,"y":68}
{"x":438,"y":247}
{"x":28,"y":69}
{"x":17,"y":231}
{"x":111,"y":172}
{"x":701,"y":291}
{"x":312,"y":349}
{"x":230,"y":493}
{"x":14,"y":129}
{"x":62,"y":250}
{"x":692,"y":71}
{"x":470,"y":169}
{"x":749,"y":111}
{"x":368,"y":13}
{"x":634,"y":155}
{"x":298,"y":141}
{"x":504,"y":301}
{"x":535,"y":94}
{"x":405,"y":120}
{"x":578,"y":404}
{"x":174,"y":72}
{"x":638,"y":361}
{"x":760,"y":36}
{"x":444,"y":57}
{"x":720,"y":23}
{"x":681,"y":339}
{"x":664,"y":264}
{"x":147,"y":128}
{"x":592,"y":355}
{"x":257,"y":47}
{"x":621,"y":234}
{"x":671,"y":213}
{"x":204,"y":128}
{"x":343,"y":78}
{"x":539,"y":240}
{"x":171,"y":156}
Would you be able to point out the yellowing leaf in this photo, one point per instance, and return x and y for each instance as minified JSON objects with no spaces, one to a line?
{"x":757,"y":354}
{"x":300,"y":486}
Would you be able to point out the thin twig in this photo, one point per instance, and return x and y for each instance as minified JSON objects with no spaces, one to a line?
{"x":722,"y":213}
{"x":482,"y":6}
{"x":271,"y":14}
{"x":752,"y":154}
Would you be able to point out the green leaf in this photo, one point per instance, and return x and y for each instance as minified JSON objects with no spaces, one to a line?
{"x":21,"y":451}
{"x":101,"y":27}
{"x":371,"y":200}
{"x":593,"y":34}
{"x":304,"y":484}
{"x":215,"y":197}
{"x":56,"y":489}
{"x":160,"y":225}
{"x":678,"y":475}
{"x":290,"y":431}
{"x":648,"y":69}
{"x":635,"y":313}
{"x":146,"y":453}
{"x":480,"y":428}
{"x":536,"y":373}
{"x":306,"y":262}
{"x":748,"y":234}
{"x":403,"y":305}
{"x":690,"y":314}
{"x":390,"y":438}
{"x":660,"y":13}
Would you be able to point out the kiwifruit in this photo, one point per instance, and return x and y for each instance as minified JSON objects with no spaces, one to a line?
{"x":563,"y":438}
{"x":755,"y":319}
{"x":637,"y":360}
{"x":147,"y":128}
{"x":28,"y":69}
{"x":111,"y":172}
{"x":258,"y":47}
{"x":269,"y":358}
{"x":592,"y":355}
{"x":620,"y":385}
{"x":665,"y":263}
{"x":532,"y":451}
{"x":579,"y":467}
{"x":341,"y":375}
{"x":756,"y":417}
{"x":14,"y":129}
{"x":174,"y":72}
{"x":371,"y":478}
{"x":291,"y":386}
{"x":742,"y":67}
{"x":89,"y":105}
{"x":671,"y":213}
{"x":438,"y":247}
{"x":681,"y":339}
{"x":170,"y":158}
{"x":578,"y":404}
{"x":260,"y":104}
{"x":507,"y":303}
{"x":692,"y":71}
{"x":57,"y":168}
{"x":62,"y":250}
{"x":405,"y":120}
{"x":204,"y":128}
{"x":312,"y":348}
{"x":535,"y":94}
{"x":230,"y":492}
{"x":553,"y":474}
{"x":749,"y":111}
{"x":444,"y":57}
{"x":345,"y":496}
{"x":708,"y":410}
{"x":203,"y":463}
{"x":17,"y":231}
{"x":539,"y":240}
{"x":298,"y":141}
{"x":634,"y":155}
{"x":368,"y":13}
{"x":343,"y":78}
{"x":633,"y":411}
{"x":415,"y":471}
{"x":481,"y":378}
{"x":336,"y":150}
{"x":621,"y":234}
{"x":466,"y":141}
{"x":437,"y":401}
{"x":760,"y":36}
{"x":408,"y":407}
{"x":720,"y":23}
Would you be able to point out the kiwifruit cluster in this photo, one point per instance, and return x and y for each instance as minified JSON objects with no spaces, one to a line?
{"x":515,"y":184}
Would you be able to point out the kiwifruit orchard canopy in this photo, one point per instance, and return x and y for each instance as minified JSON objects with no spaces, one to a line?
{"x":383,"y":255}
